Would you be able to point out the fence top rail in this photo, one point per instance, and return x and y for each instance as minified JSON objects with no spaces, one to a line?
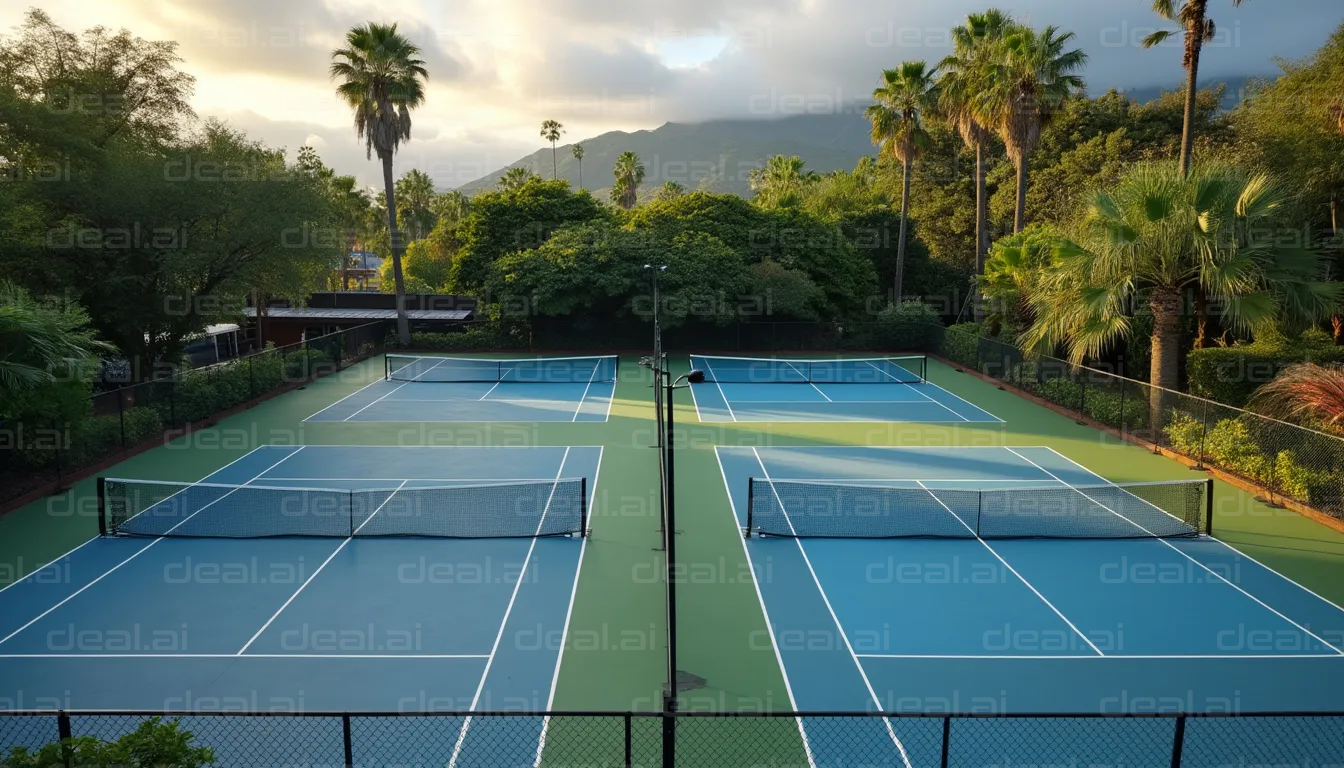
{"x":1187,"y":395}
{"x":684,"y":715}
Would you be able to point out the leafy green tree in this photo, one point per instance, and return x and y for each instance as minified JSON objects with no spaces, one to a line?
{"x":156,"y":743}
{"x":551,"y":131}
{"x":629,"y":174}
{"x":515,"y":179}
{"x":415,"y":203}
{"x":503,"y":222}
{"x":1028,"y":85}
{"x":451,"y":207}
{"x":841,"y":193}
{"x":781,"y":182}
{"x":1199,"y":29}
{"x":905,"y":96}
{"x":975,"y":45}
{"x":1158,"y":233}
{"x":352,"y":206}
{"x":382,"y":78}
{"x":577,"y":151}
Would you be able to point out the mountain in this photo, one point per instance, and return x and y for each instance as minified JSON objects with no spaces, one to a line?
{"x":719,"y":155}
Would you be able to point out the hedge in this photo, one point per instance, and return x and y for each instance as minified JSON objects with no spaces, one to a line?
{"x":469,"y":340}
{"x":1230,"y":375}
{"x":961,"y":344}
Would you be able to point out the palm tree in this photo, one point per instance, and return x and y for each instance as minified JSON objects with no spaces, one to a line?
{"x":897,"y":115}
{"x":452,"y":207}
{"x":629,"y":173}
{"x":780,"y":182}
{"x":1023,"y":92}
{"x":382,"y":79}
{"x":1307,"y":394}
{"x":514,"y":179}
{"x":551,"y":131}
{"x":577,"y":150}
{"x":42,"y":344}
{"x":1192,"y":15}
{"x":415,"y":200}
{"x":1159,"y":233}
{"x":670,"y":190}
{"x":352,"y":207}
{"x":974,"y":46}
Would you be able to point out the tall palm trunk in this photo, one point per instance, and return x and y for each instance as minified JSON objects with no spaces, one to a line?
{"x":1194,"y":41}
{"x":1164,"y":371}
{"x":900,"y":243}
{"x":981,"y":221}
{"x":403,"y":324}
{"x":1020,"y":217}
{"x":555,"y":173}
{"x":580,"y":173}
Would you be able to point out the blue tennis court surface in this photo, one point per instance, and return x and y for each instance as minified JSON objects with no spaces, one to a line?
{"x":1024,"y":624}
{"x":787,"y":389}
{"x":392,"y":624}
{"x":446,"y":389}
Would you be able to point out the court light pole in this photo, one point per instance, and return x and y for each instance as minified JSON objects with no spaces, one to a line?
{"x":695,"y":376}
{"x":657,"y":336}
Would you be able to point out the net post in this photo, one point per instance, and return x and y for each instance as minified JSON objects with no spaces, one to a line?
{"x":751,"y":496}
{"x":924,"y":368}
{"x":387,"y":367}
{"x":583,"y":507}
{"x":102,"y":506}
{"x":1178,"y":742}
{"x":1208,"y":506}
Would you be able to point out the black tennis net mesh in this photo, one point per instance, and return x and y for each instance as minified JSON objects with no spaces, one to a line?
{"x":832,"y":510}
{"x":504,"y":510}
{"x":912,"y":369}
{"x":532,"y":370}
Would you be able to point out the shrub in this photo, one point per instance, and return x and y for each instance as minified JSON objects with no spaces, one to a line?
{"x":100,"y":435}
{"x":1230,"y":375}
{"x":911,"y":326}
{"x":307,"y":363}
{"x":156,"y":743}
{"x":962,"y":344}
{"x":470,"y":340}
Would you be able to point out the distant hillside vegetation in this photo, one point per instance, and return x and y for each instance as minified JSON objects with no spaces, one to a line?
{"x":718,"y":155}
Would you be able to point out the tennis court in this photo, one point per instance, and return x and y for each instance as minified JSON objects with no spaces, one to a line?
{"x":449,"y":389}
{"x":319,"y":578}
{"x":747,"y":389}
{"x":1014,"y":569}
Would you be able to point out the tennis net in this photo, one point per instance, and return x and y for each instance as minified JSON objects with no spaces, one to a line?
{"x":504,"y":510}
{"x":912,"y":369}
{"x":827,"y":510}
{"x":535,"y":370}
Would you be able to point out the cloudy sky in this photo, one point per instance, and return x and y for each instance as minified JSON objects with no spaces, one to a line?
{"x":500,"y":67}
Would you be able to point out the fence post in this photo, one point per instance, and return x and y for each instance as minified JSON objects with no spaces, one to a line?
{"x":670,"y":730}
{"x":60,"y":436}
{"x":1199,"y":462}
{"x":1178,"y":742}
{"x":349,"y":745}
{"x":627,"y":740}
{"x":64,"y":734}
{"x":121,"y":416}
{"x":947,"y":737}
{"x":251,"y":381}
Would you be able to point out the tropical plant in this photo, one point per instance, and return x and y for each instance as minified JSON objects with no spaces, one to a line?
{"x":514,"y":179}
{"x":577,"y":151}
{"x":1159,"y":233}
{"x":670,"y":190}
{"x":780,"y":182}
{"x":382,"y":78}
{"x":1026,"y":88}
{"x":897,"y":117}
{"x":1307,"y":394}
{"x":974,"y":45}
{"x":551,"y":131}
{"x":451,"y":207}
{"x":1199,"y":29}
{"x":629,"y":173}
{"x":1014,"y":266}
{"x":415,"y":203}
{"x":352,"y":210}
{"x":42,"y":343}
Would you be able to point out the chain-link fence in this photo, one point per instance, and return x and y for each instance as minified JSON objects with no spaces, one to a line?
{"x":1286,"y":460}
{"x":48,"y":452}
{"x":899,"y":740}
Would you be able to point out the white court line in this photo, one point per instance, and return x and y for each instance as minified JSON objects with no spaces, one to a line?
{"x":522,"y":577}
{"x":482,"y":397}
{"x":34,"y":572}
{"x":1148,"y":657}
{"x":726,"y":404}
{"x":347,"y":397}
{"x":835,"y":618}
{"x":809,"y":381}
{"x":480,"y":480}
{"x":379,"y":400}
{"x":921,"y":394}
{"x":765,"y":612}
{"x":309,"y":580}
{"x":1238,"y":552}
{"x":564,"y":633}
{"x":141,"y":551}
{"x":584,"y":396}
{"x":1178,"y":550}
{"x":248,"y":656}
